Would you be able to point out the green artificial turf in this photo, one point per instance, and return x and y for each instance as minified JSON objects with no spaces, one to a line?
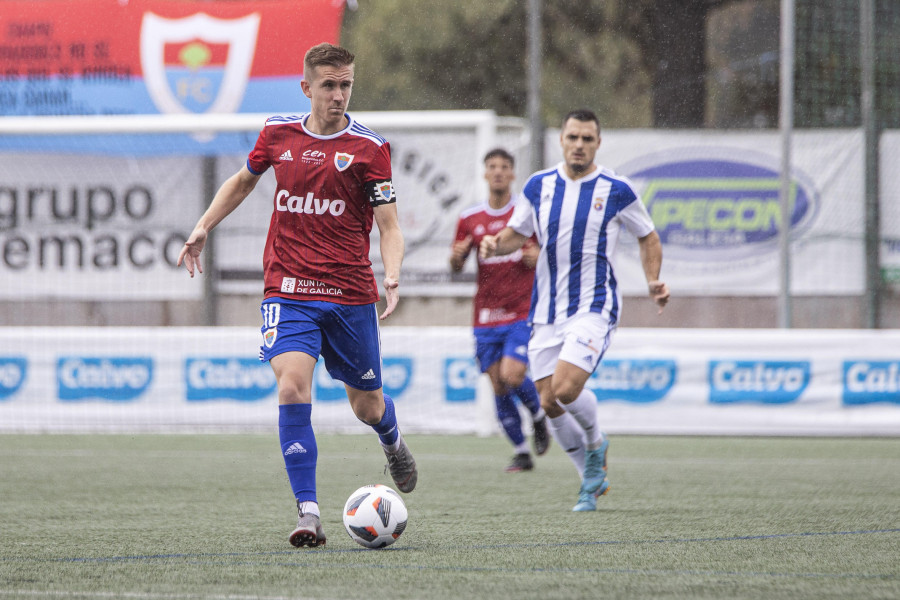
{"x":207,"y":516}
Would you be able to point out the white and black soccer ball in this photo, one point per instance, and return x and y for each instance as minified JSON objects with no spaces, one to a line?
{"x":375,"y":516}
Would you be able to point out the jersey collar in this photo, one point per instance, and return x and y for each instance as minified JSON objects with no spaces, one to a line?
{"x":305,"y":117}
{"x":561,"y":169}
{"x":496,"y":212}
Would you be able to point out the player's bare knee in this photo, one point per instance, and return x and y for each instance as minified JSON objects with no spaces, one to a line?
{"x":292,"y":394}
{"x":549,"y":404}
{"x":565,"y":391}
{"x":512,"y":380}
{"x":368,"y":407}
{"x":552,"y":408}
{"x":367,"y":413}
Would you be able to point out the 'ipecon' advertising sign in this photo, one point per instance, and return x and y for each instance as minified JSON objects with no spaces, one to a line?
{"x":723,"y":208}
{"x":715,"y":199}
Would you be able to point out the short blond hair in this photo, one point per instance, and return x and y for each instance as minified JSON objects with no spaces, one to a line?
{"x":326,"y":54}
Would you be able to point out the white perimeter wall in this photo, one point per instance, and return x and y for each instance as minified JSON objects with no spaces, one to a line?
{"x":652,"y":381}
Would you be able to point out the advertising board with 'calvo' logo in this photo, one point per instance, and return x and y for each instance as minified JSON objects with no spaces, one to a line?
{"x":871,"y":381}
{"x":719,"y":205}
{"x":113,"y":379}
{"x":396,"y":376}
{"x":242,"y":379}
{"x":460,"y":379}
{"x":757,"y":381}
{"x":12,"y":375}
{"x":640,"y":381}
{"x":326,"y":389}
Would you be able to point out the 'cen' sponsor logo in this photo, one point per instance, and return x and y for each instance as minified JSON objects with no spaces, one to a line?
{"x":762,"y":381}
{"x":12,"y":375}
{"x":244,"y":379}
{"x":114,"y":379}
{"x":633,"y":380}
{"x":868,"y":381}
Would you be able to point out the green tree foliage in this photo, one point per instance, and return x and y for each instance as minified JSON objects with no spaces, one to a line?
{"x":661,"y":63}
{"x":427,"y":54}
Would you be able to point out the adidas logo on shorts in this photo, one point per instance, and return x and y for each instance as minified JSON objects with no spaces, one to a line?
{"x":369,"y":375}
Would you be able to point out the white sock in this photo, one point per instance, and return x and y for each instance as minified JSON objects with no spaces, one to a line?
{"x":522,"y":448}
{"x":570,"y":437}
{"x":584,"y":409}
{"x":310,"y":508}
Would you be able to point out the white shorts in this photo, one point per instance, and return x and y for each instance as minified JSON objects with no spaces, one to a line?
{"x":581,"y":341}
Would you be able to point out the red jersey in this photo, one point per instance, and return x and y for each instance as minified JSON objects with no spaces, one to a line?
{"x":318,"y":242}
{"x":504,"y":282}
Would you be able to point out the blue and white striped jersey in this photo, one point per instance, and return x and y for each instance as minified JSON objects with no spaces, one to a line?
{"x":577,"y":223}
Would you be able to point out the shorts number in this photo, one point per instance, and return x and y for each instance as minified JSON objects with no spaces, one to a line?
{"x":271,"y":314}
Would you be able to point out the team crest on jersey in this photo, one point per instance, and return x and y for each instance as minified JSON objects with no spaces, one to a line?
{"x":342,"y":160}
{"x":598,"y":202}
{"x":385,"y":190}
{"x":269,"y":336}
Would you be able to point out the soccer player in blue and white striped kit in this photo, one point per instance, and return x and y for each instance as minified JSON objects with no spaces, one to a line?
{"x":577,"y":209}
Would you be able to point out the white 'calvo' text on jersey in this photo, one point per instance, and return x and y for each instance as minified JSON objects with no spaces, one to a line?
{"x":577,"y":223}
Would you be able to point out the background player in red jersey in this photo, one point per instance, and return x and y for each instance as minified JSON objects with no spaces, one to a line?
{"x":500,"y":308}
{"x":333,"y":179}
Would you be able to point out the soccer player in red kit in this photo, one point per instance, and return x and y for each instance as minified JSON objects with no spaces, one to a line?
{"x":501,"y":305}
{"x":333,"y":180}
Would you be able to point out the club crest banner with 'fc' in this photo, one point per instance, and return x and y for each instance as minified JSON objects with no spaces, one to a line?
{"x":108,"y":57}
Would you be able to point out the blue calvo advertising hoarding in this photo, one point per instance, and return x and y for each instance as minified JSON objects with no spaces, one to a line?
{"x":757,"y":381}
{"x":396,"y":375}
{"x":242,"y":379}
{"x":636,"y":380}
{"x":13,"y":370}
{"x":115,"y":379}
{"x":870,"y":381}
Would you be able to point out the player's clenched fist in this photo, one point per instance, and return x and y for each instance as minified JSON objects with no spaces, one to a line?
{"x":659,"y":292}
{"x":488,"y":246}
{"x":459,"y":251}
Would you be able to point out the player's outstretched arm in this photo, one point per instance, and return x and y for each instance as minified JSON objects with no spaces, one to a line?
{"x":508,"y":240}
{"x":651,"y":261}
{"x":235,"y":189}
{"x":392,"y":248}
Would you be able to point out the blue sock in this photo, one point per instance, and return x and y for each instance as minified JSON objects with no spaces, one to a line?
{"x":298,"y":446}
{"x":386,"y":428}
{"x":508,"y":414}
{"x":529,"y":396}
